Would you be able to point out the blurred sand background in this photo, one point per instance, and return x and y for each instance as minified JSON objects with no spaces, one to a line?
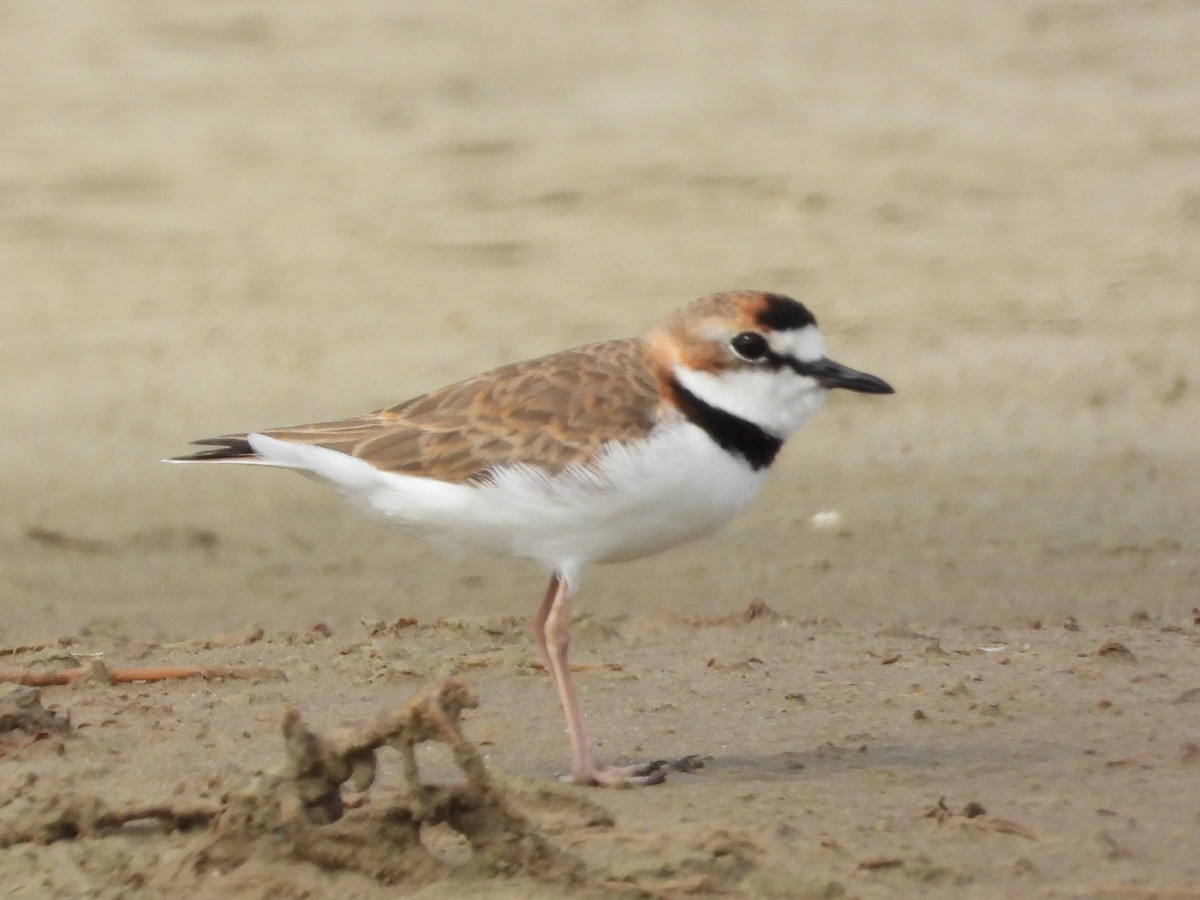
{"x":227,"y":215}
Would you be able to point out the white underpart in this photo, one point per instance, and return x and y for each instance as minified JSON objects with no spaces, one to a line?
{"x":635,"y":500}
{"x":776,"y":400}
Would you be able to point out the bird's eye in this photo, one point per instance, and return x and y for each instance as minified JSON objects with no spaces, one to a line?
{"x":749,"y":345}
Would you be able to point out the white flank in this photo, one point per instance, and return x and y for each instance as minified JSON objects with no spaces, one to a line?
{"x":634,"y":501}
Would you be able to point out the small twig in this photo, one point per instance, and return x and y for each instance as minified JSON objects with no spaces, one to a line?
{"x":69,"y":815}
{"x":178,"y":817}
{"x":28,"y":648}
{"x":585,"y":667}
{"x":880,"y":862}
{"x":129,"y":674}
{"x":1000,"y":826}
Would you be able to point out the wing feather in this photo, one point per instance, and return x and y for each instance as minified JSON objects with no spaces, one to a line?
{"x":553,"y":412}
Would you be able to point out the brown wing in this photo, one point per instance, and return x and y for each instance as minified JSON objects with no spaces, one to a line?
{"x":552,"y":412}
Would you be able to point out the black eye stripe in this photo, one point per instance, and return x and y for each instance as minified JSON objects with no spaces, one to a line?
{"x":792,"y":363}
{"x":776,"y":361}
{"x":753,"y":347}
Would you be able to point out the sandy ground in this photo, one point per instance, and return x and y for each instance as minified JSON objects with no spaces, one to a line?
{"x":226,"y":215}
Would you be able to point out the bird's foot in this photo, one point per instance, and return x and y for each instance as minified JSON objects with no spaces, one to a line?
{"x":637,"y":775}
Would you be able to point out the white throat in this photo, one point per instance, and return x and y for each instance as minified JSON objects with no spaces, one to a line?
{"x":778,"y":401}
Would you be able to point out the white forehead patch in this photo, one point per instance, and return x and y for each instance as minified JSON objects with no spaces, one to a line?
{"x":803,"y":344}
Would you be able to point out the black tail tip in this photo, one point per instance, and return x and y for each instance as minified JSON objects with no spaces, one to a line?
{"x":222,"y":448}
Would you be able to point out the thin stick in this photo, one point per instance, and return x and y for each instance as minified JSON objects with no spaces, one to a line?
{"x":183,"y":815}
{"x":28,"y":648}
{"x":585,"y":667}
{"x":129,"y":674}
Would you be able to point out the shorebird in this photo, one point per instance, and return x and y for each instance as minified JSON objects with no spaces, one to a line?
{"x":606,"y":452}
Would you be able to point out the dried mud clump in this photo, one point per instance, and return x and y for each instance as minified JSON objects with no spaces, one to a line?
{"x":292,"y":812}
{"x":23,"y":719}
{"x":296,"y":813}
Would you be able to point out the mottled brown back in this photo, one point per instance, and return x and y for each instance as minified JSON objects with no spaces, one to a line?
{"x":552,"y":412}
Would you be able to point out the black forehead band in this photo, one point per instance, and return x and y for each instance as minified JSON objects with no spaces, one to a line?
{"x":780,"y":313}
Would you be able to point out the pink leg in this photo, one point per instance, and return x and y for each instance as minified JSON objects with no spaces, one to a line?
{"x":551,"y":633}
{"x":539,"y":623}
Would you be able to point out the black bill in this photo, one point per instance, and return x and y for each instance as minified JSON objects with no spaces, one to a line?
{"x":831,"y":374}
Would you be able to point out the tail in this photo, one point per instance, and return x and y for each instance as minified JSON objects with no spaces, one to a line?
{"x":234,"y":448}
{"x":354,"y":477}
{"x":256,"y":449}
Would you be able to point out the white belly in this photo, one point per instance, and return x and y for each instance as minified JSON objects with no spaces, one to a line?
{"x":674,"y":487}
{"x":637,"y":500}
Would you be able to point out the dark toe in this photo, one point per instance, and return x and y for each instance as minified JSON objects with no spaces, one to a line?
{"x":690,"y":763}
{"x":649,"y":768}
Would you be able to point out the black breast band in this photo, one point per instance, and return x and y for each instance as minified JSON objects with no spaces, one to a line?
{"x":745,"y":439}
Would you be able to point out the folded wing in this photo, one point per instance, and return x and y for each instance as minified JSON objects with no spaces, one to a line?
{"x":550,"y":412}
